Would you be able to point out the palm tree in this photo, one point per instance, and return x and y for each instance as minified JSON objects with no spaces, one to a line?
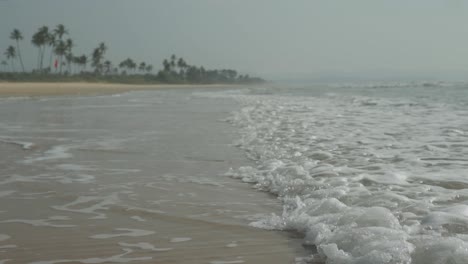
{"x":51,"y":41}
{"x":108,"y":66}
{"x":182,"y":65}
{"x":173,"y":61}
{"x":69,"y":61}
{"x":142,"y":67}
{"x":60,"y":31}
{"x":60,"y":50}
{"x":17,"y":36}
{"x":4,"y":64}
{"x":98,"y":56}
{"x":39,"y":40}
{"x":149,"y":68}
{"x":10,"y":53}
{"x":82,"y":61}
{"x":69,"y":54}
{"x":166,"y":65}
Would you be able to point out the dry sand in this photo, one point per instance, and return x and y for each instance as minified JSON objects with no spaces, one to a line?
{"x":20,"y":89}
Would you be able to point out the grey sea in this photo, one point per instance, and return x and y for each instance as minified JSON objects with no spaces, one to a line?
{"x":312,"y":173}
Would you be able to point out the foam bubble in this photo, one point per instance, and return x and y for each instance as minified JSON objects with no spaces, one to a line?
{"x":129,"y":233}
{"x":144,"y":246}
{"x":180,"y":239}
{"x":361,"y":176}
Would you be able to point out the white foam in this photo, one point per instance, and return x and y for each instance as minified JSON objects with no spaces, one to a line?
{"x":180,"y":239}
{"x":232,"y":244}
{"x":4,"y":237}
{"x":56,"y":152}
{"x":100,"y":204}
{"x":129,"y":233}
{"x":137,"y":218}
{"x":355,"y":174}
{"x":8,"y":246}
{"x":23,"y":144}
{"x":227,"y":261}
{"x":41,"y":222}
{"x":6,"y":193}
{"x":120,"y":258}
{"x":144,"y":246}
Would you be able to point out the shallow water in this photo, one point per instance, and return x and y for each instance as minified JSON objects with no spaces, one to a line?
{"x":136,"y":177}
{"x":374,"y":173}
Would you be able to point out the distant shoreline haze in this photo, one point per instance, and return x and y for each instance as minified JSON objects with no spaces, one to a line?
{"x":57,"y":62}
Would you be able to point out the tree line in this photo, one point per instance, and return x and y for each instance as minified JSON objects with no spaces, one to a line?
{"x":56,"y":57}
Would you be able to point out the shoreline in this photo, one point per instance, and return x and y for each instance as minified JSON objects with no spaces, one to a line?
{"x":33,"y":89}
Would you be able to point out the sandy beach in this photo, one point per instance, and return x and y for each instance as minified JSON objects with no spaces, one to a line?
{"x":20,"y":89}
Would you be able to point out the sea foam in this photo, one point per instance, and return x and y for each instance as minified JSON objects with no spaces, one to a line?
{"x":365,"y":179}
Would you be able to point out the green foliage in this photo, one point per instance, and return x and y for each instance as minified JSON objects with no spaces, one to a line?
{"x":175,"y":70}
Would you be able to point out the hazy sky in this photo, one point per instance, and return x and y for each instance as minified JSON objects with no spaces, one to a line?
{"x":272,"y":38}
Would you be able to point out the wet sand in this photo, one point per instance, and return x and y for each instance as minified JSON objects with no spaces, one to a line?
{"x":83,"y":88}
{"x":129,"y":178}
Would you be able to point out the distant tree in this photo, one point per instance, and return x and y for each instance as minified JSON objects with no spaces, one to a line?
{"x":108,"y":67}
{"x":17,"y":36}
{"x":60,"y":50}
{"x":69,"y":60}
{"x":39,"y":39}
{"x":167,"y":65}
{"x":82,"y":61}
{"x":128,"y":64}
{"x":132,"y":65}
{"x":60,"y":31}
{"x":182,"y":65}
{"x":98,"y":56}
{"x":10,"y":53}
{"x":149,"y":68}
{"x":51,"y":42}
{"x":4,"y":64}
{"x":69,"y":53}
{"x":173,"y":62}
{"x":142,"y":67}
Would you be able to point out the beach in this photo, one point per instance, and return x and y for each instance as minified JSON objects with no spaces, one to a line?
{"x":8,"y":89}
{"x":127,"y":175}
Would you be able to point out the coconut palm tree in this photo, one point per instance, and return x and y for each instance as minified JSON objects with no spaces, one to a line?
{"x":39,"y":40}
{"x":51,"y":41}
{"x":107,"y":66}
{"x":60,"y":31}
{"x":82,"y":61}
{"x":173,"y":61}
{"x":98,"y":56}
{"x":4,"y":64}
{"x":142,"y":67}
{"x":69,"y":54}
{"x":149,"y":68}
{"x":166,"y":65}
{"x":60,"y":50}
{"x":10,"y":53}
{"x":17,"y":36}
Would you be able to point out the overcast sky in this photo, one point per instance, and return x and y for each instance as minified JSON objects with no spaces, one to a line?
{"x":271,"y":38}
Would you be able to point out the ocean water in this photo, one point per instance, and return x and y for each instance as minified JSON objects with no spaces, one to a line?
{"x":367,"y":173}
{"x":129,"y":178}
{"x":360,"y":173}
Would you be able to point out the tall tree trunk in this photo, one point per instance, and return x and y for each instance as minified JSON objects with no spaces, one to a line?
{"x":12,"y":61}
{"x":50,"y":58}
{"x":61,"y":64}
{"x":39,"y":58}
{"x":19,"y":55}
{"x":42,"y":57}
